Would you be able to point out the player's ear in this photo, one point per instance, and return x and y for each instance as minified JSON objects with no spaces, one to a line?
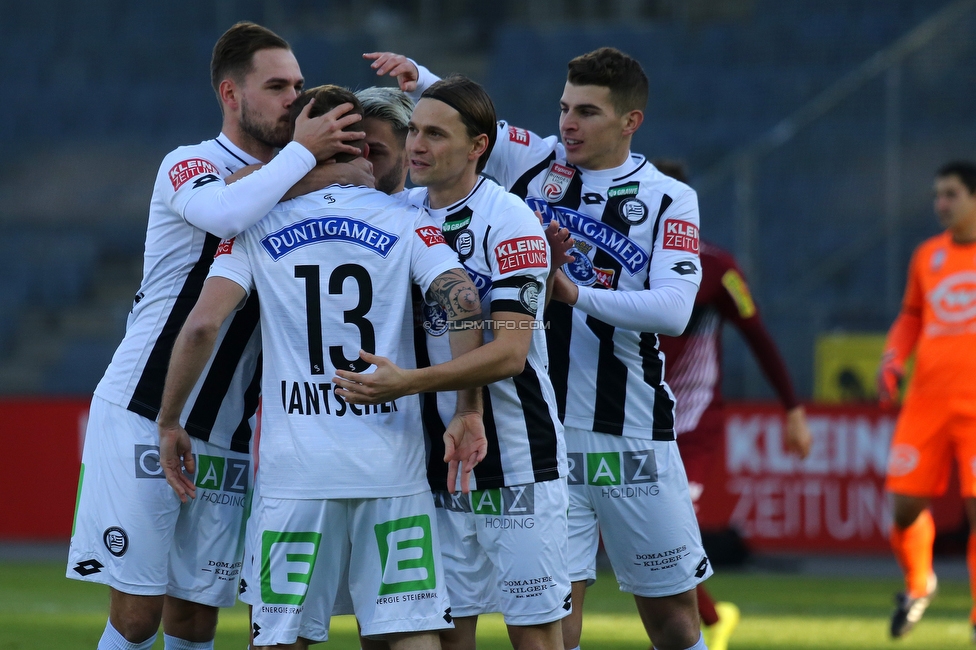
{"x":479,"y":146}
{"x":632,"y":121}
{"x":229,"y":95}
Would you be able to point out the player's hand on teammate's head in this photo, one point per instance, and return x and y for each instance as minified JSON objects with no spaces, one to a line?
{"x":560,"y":243}
{"x":890,"y":376}
{"x":385,"y":384}
{"x":324,"y":135}
{"x":798,"y":438}
{"x":395,"y":65}
{"x":175,"y":456}
{"x":465,"y":444}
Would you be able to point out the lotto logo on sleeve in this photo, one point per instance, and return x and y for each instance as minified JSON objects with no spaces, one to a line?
{"x":518,"y":136}
{"x":431,"y":235}
{"x":226,"y":247}
{"x":680,"y":236}
{"x":521,"y":253}
{"x":184,"y":170}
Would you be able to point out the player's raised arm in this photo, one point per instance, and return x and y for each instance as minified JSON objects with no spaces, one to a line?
{"x":226,"y":210}
{"x":192,"y":349}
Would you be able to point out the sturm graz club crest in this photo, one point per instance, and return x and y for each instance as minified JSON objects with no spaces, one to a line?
{"x":633,"y":211}
{"x":529,"y":296}
{"x":116,"y":541}
{"x":464,"y":244}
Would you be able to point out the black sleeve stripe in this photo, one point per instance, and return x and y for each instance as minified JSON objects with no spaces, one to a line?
{"x":510,"y":305}
{"x":514,"y":282}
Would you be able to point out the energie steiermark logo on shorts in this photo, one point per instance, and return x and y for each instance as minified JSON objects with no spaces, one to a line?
{"x":222,"y":481}
{"x":406,"y":550}
{"x":287,"y":562}
{"x":615,"y":470}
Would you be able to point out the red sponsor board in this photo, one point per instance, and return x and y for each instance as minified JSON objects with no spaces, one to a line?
{"x":431,"y":235}
{"x":42,"y":439}
{"x":832,"y":501}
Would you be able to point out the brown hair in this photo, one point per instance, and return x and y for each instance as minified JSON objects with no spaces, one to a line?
{"x":611,"y":68}
{"x":233,"y":55}
{"x":326,"y":98}
{"x":474,"y":105}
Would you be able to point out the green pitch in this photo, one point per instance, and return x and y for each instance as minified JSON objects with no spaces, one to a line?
{"x":42,"y":610}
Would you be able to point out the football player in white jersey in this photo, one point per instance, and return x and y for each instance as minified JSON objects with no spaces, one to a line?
{"x":505,"y":545}
{"x":636,"y":273}
{"x":340,"y":486}
{"x":130,"y":531}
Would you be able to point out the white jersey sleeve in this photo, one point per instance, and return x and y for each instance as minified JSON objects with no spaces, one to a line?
{"x":204,"y":200}
{"x":518,"y":255}
{"x":233,"y":261}
{"x":430,"y":255}
{"x":676,"y":248}
{"x":517,"y":151}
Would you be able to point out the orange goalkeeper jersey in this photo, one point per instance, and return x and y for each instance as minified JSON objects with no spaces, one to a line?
{"x":942,"y":290}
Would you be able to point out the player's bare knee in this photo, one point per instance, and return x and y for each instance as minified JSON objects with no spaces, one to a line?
{"x":135,"y":617}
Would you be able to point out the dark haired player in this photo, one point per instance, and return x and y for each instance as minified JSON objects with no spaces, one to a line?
{"x":937,"y":423}
{"x":131,"y":532}
{"x":635,"y":274}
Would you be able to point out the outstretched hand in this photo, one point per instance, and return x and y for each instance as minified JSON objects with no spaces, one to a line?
{"x":388,"y":382}
{"x":174,"y":456}
{"x":464,"y":443}
{"x":395,"y":65}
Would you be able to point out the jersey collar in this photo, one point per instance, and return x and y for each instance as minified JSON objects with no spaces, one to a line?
{"x":244,"y":157}
{"x":456,"y":206}
{"x":615,"y":174}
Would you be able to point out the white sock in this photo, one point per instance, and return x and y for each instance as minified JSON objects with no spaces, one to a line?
{"x":112,"y":640}
{"x":698,"y":646}
{"x":175,"y":643}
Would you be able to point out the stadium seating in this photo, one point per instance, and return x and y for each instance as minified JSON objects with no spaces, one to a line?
{"x":110,"y":70}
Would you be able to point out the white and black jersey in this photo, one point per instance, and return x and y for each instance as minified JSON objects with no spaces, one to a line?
{"x":334,"y":270}
{"x":504,"y":251}
{"x":632,"y":225}
{"x":177,"y":258}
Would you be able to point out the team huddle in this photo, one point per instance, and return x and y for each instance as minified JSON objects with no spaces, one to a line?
{"x":450,"y":376}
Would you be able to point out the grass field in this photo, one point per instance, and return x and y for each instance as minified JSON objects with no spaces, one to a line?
{"x":42,"y":610}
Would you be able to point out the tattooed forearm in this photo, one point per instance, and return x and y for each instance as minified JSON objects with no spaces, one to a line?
{"x":454,"y":291}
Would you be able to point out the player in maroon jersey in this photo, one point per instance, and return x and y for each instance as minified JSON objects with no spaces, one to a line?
{"x":693,"y":363}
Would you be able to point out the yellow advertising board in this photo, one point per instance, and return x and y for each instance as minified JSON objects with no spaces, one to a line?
{"x":845,"y":367}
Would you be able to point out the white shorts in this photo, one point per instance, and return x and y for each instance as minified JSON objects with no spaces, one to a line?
{"x":130,"y":530}
{"x":298,"y":552}
{"x":521,"y":532}
{"x":636,"y":492}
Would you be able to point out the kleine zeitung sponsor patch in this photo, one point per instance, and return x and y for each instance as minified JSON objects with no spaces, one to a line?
{"x":184,"y":170}
{"x":521,"y":253}
{"x":681,"y":236}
